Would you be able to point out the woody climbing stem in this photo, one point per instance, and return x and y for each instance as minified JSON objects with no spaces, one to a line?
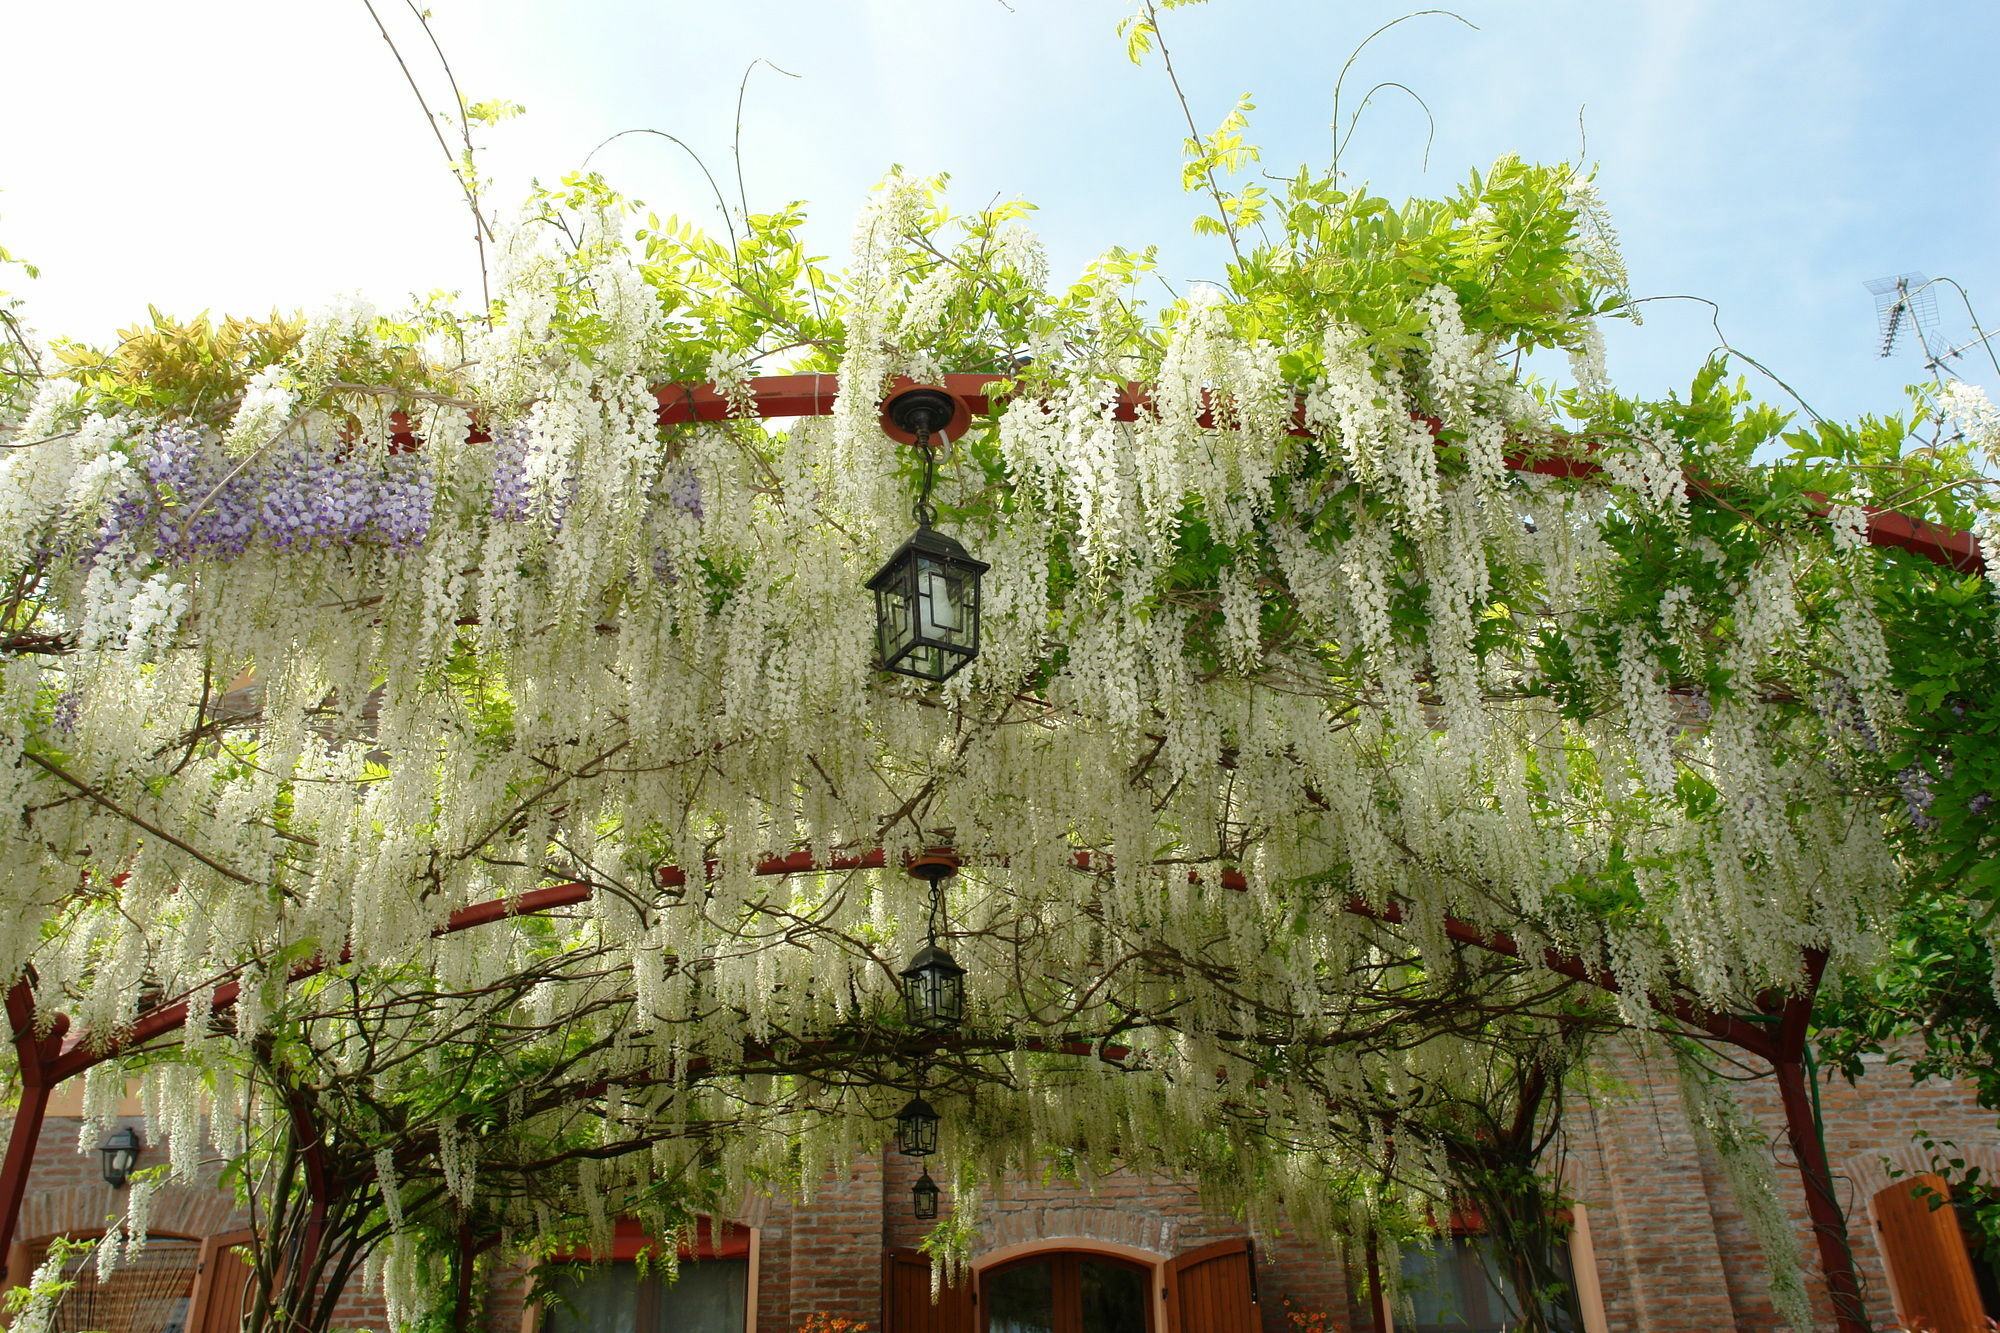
{"x":1782,"y":1045}
{"x":1399,"y":707}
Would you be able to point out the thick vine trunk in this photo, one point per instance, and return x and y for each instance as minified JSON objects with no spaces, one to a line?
{"x":1829,"y":1222}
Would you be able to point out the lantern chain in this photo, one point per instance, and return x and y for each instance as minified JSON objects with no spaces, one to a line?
{"x":926,"y":514}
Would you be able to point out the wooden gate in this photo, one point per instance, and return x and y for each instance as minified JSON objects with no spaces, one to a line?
{"x":906,"y":1298}
{"x":1214,"y":1290}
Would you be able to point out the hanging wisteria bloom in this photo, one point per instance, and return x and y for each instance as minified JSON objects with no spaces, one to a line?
{"x":1315,"y":643}
{"x":297,"y":494}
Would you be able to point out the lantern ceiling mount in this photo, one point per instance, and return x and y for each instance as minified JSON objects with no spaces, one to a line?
{"x":923,"y":414}
{"x":933,"y":864}
{"x":927,"y":594}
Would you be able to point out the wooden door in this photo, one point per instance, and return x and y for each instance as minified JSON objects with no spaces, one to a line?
{"x":220,"y":1286}
{"x":1214,"y":1290}
{"x":906,"y":1298}
{"x":1929,"y":1270}
{"x":148,"y":1292}
{"x":1066,"y":1291}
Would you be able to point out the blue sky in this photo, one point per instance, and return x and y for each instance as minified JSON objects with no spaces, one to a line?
{"x":1771,"y":157}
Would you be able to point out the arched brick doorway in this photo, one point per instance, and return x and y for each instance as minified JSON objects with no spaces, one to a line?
{"x":148,"y":1293}
{"x":1067,"y":1291}
{"x":1064,"y":1285}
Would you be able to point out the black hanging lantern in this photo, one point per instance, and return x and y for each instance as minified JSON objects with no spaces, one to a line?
{"x":917,"y":1129}
{"x":934,"y":990}
{"x":927,"y":595}
{"x":934,"y":983}
{"x":121,"y":1155}
{"x":924,"y":1195}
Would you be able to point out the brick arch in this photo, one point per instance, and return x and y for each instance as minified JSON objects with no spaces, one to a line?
{"x":1099,"y":1221}
{"x":178,"y":1210}
{"x":1147,"y":1237}
{"x":1869,"y":1172}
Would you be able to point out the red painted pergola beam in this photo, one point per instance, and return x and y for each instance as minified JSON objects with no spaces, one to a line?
{"x":814,"y":395}
{"x":34,"y":1055}
{"x":79,"y":1054}
{"x":64,"y":1057}
{"x":47,"y":1061}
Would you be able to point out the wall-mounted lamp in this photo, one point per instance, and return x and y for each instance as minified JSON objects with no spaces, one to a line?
{"x":121,"y":1155}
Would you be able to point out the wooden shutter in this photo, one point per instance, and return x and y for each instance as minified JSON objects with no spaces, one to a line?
{"x":1928,"y":1266}
{"x":1214,"y":1290}
{"x":906,"y":1297}
{"x":220,"y":1286}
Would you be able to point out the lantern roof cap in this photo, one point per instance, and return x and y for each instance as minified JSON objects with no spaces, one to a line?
{"x":933,"y":956}
{"x":918,"y":1107}
{"x":927,"y":540}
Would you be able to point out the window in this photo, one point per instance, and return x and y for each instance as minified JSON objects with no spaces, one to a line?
{"x":1068,"y":1293}
{"x":709,"y":1297}
{"x":615,"y":1291}
{"x":1462,"y":1285}
{"x":147,"y":1294}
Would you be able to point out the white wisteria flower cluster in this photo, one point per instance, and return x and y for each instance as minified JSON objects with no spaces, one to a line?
{"x":1288,"y":650}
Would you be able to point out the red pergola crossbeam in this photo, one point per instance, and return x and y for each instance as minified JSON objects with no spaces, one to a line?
{"x":49,"y":1060}
{"x":814,"y":395}
{"x":78,"y":1053}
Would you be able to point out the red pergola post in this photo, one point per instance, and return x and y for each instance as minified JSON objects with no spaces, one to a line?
{"x":311,"y":1145}
{"x":1783,"y":1049}
{"x":1802,"y":1131}
{"x":36,"y":1054}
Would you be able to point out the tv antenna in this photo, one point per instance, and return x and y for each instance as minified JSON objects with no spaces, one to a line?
{"x":1904,"y":301}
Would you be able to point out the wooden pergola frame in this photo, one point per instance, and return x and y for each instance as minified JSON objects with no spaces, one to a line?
{"x":50,"y":1052}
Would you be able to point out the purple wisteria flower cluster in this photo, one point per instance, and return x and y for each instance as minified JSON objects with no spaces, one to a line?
{"x":684,"y":488}
{"x":199,"y":502}
{"x":195,"y":501}
{"x":510,"y":475}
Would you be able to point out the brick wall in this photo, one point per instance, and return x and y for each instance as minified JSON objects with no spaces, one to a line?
{"x":1673,"y":1250}
{"x":67,"y":1196}
{"x":67,"y":1193}
{"x":824,"y":1257}
{"x":1673,"y":1254}
{"x":1636,"y":1168}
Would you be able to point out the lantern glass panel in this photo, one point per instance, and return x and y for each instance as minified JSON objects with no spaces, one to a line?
{"x":947,"y":603}
{"x":934,"y":990}
{"x":927,"y":607}
{"x":895,"y":611}
{"x":917,"y":1129}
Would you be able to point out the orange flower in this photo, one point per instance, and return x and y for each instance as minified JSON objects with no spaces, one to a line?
{"x":828,"y":1323}
{"x":1305,"y":1319}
